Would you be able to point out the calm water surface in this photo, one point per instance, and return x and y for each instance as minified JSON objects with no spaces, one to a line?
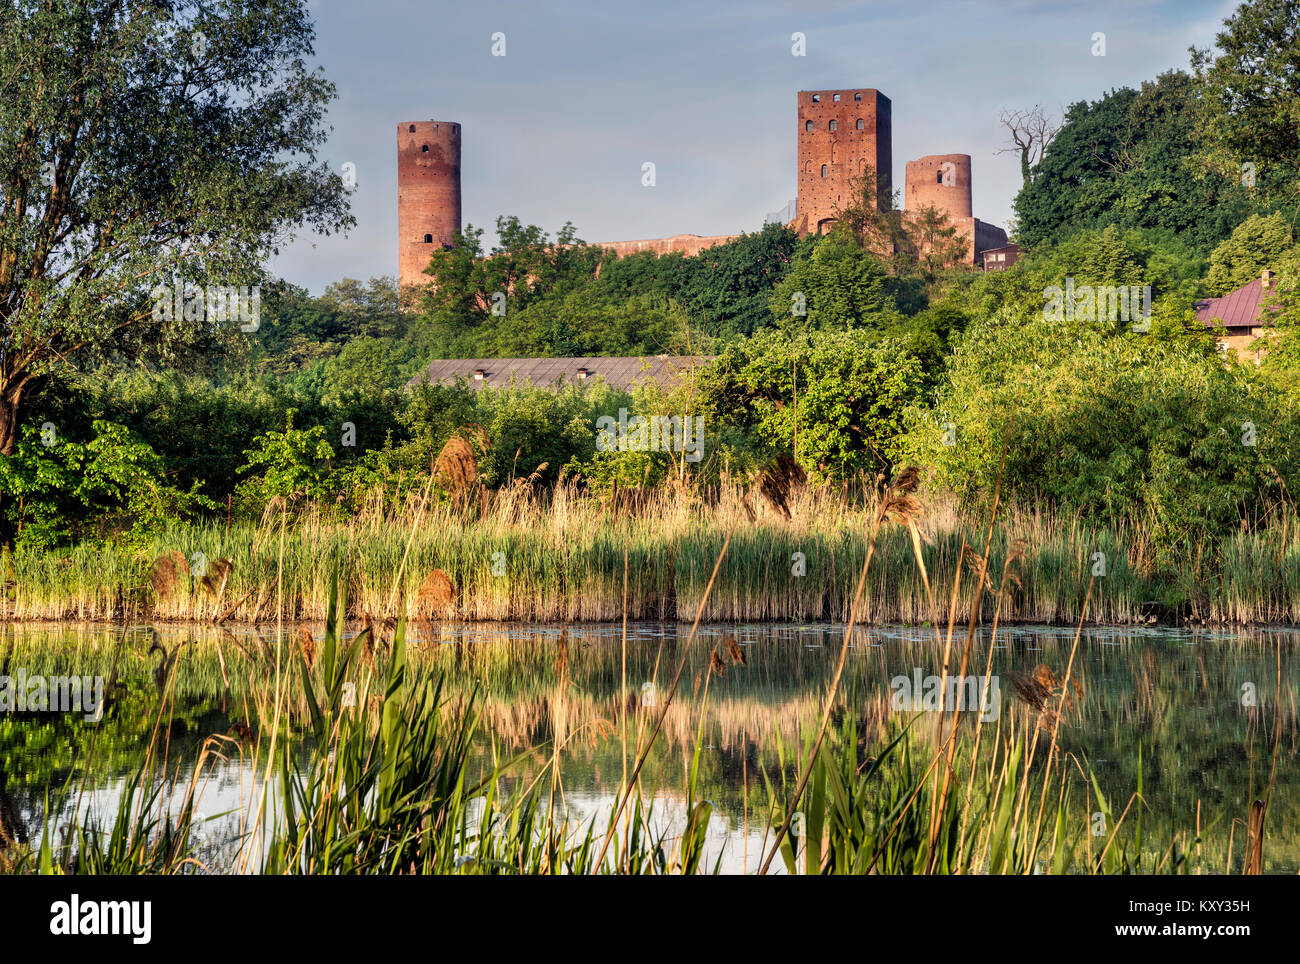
{"x":1199,"y":710}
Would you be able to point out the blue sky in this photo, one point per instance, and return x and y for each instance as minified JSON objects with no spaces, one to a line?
{"x":589,"y":90}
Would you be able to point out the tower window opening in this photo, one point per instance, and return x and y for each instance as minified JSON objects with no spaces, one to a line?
{"x":425,"y":149}
{"x":412,"y":128}
{"x":836,"y":98}
{"x":428,"y":239}
{"x":834,"y":125}
{"x":862,"y":125}
{"x":825,"y":169}
{"x":857,"y":96}
{"x":938,"y":177}
{"x":817,"y":98}
{"x":808,"y":126}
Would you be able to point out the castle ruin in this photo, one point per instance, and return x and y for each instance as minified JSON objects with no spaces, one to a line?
{"x":840,"y":134}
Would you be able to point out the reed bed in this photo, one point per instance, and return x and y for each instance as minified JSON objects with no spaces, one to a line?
{"x":382,"y":783}
{"x":559,"y":557}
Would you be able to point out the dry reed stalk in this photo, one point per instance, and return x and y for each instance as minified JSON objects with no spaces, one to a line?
{"x":622,"y":708}
{"x":988,"y":669}
{"x":625,"y":793}
{"x":166,"y":574}
{"x":1056,"y":725}
{"x":941,"y":798}
{"x":436,"y":594}
{"x":307,"y":645}
{"x":457,"y":464}
{"x":279,"y":692}
{"x":905,"y":485}
{"x":397,"y":579}
{"x":1255,"y":840}
{"x":779,"y":481}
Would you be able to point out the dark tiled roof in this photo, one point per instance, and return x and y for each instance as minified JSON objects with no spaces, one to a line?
{"x":620,"y":373}
{"x":1237,"y":309}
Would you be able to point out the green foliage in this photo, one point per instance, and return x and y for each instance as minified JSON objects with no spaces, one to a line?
{"x":852,"y":389}
{"x":125,"y":150}
{"x":1119,"y":427}
{"x":293,"y":463}
{"x":531,"y":297}
{"x":1251,"y":93}
{"x":837,"y":284}
{"x":1129,"y":159}
{"x":1255,"y":244}
{"x":298,"y":330}
{"x":535,"y":430}
{"x":110,"y":488}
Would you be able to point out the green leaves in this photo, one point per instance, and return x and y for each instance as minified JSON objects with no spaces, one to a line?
{"x":95,"y":490}
{"x":295,"y":462}
{"x":130,"y":158}
{"x":852,"y":390}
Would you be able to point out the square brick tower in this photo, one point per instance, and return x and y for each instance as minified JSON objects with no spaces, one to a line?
{"x":428,"y":195}
{"x":841,"y":133}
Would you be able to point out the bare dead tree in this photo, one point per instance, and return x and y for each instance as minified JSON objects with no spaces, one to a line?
{"x":1029,"y":133}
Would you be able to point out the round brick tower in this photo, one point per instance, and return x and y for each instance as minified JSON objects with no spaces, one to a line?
{"x":428,"y":194}
{"x":931,"y":180}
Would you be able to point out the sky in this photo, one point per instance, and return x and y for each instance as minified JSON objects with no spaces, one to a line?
{"x":559,"y":127}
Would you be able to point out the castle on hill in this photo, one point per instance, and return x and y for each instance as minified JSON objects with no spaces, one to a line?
{"x":839,"y":135}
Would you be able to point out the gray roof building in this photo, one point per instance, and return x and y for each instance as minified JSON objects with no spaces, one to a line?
{"x":619,"y":373}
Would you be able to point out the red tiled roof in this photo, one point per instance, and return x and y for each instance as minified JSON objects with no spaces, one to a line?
{"x":1236,"y":309}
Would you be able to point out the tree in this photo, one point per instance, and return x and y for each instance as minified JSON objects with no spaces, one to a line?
{"x":838,"y":285}
{"x":113,"y":485}
{"x":1252,"y":89}
{"x":293,"y":463}
{"x":1130,"y":159}
{"x":145,"y":145}
{"x":1030,"y":131}
{"x":1255,"y":244}
{"x":470,"y":290}
{"x":853,"y":390}
{"x":933,"y":240}
{"x":1124,"y":429}
{"x":871,"y":217}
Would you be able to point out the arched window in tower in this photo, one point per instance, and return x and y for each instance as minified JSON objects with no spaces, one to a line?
{"x":808,"y":126}
{"x":817,"y":98}
{"x":428,"y":239}
{"x":826,"y":169}
{"x":425,"y":149}
{"x":836,"y":98}
{"x":938,"y":177}
{"x":412,"y":128}
{"x":857,"y":96}
{"x":861,"y":125}
{"x":834,"y":125}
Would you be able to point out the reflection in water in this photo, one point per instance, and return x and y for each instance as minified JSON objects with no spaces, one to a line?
{"x":1190,"y":716}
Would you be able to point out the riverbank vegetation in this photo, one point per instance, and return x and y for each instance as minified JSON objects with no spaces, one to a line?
{"x":568,"y":555}
{"x":366,"y":752}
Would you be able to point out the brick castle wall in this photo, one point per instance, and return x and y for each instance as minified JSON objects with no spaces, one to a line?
{"x":687,"y":244}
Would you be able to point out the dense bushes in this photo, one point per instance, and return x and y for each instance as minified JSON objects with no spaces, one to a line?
{"x":1119,"y":426}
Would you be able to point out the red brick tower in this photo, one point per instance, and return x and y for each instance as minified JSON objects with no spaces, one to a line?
{"x":932,"y":181}
{"x":428,"y":194}
{"x":841,"y":133}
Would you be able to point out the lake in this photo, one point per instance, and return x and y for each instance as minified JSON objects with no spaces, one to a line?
{"x":1196,"y":712}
